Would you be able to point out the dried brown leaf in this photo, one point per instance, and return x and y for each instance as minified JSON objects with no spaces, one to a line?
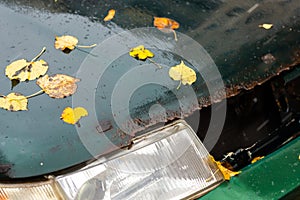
{"x":58,"y":85}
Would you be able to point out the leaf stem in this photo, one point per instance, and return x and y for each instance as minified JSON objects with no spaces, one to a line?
{"x":86,"y":47}
{"x":39,"y":55}
{"x":155,"y":63}
{"x":35,"y":94}
{"x":175,"y":35}
{"x":178,"y":85}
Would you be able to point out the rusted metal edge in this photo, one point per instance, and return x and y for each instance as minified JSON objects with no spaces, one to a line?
{"x":230,"y":91}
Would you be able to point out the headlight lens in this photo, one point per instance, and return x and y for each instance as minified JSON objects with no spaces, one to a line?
{"x":168,"y":163}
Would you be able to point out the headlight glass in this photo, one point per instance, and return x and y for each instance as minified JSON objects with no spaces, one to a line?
{"x":169,"y":163}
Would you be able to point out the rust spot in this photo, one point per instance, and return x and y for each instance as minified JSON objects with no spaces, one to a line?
{"x":139,"y":122}
{"x":104,"y":125}
{"x":5,"y":168}
{"x":121,"y":134}
{"x":232,"y":90}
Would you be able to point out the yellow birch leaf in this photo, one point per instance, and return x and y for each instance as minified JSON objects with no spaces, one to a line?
{"x":140,"y":53}
{"x":14,"y":102}
{"x":110,"y":15}
{"x":72,"y":116}
{"x":58,"y":86}
{"x":23,"y":70}
{"x":265,"y":26}
{"x":256,"y":159}
{"x":183,"y":73}
{"x":66,"y":43}
{"x":226,"y":172}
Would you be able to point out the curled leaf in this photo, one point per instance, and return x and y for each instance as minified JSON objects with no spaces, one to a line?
{"x":23,"y":70}
{"x":14,"y":102}
{"x":166,"y":25}
{"x":72,"y":116}
{"x":265,"y":26}
{"x":67,"y":43}
{"x":58,"y":85}
{"x":140,"y":53}
{"x":183,"y":73}
{"x":110,"y":15}
{"x":226,"y":172}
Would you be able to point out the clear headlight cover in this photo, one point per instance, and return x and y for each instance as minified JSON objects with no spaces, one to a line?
{"x":168,"y":163}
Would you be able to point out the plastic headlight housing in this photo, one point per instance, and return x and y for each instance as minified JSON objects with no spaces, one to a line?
{"x":30,"y":191}
{"x":168,"y":163}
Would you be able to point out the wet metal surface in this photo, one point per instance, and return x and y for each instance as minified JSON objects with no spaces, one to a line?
{"x":245,"y":55}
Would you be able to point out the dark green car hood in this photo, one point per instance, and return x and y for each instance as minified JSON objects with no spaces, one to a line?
{"x":37,"y":142}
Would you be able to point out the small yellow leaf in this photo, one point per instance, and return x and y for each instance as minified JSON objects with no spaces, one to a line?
{"x":110,"y":15}
{"x":23,"y":70}
{"x":165,"y":23}
{"x":140,"y":53}
{"x":14,"y":102}
{"x":265,"y":26}
{"x":72,"y":116}
{"x":257,"y":159}
{"x":58,"y":85}
{"x":66,"y":43}
{"x":226,"y":172}
{"x":183,"y":73}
